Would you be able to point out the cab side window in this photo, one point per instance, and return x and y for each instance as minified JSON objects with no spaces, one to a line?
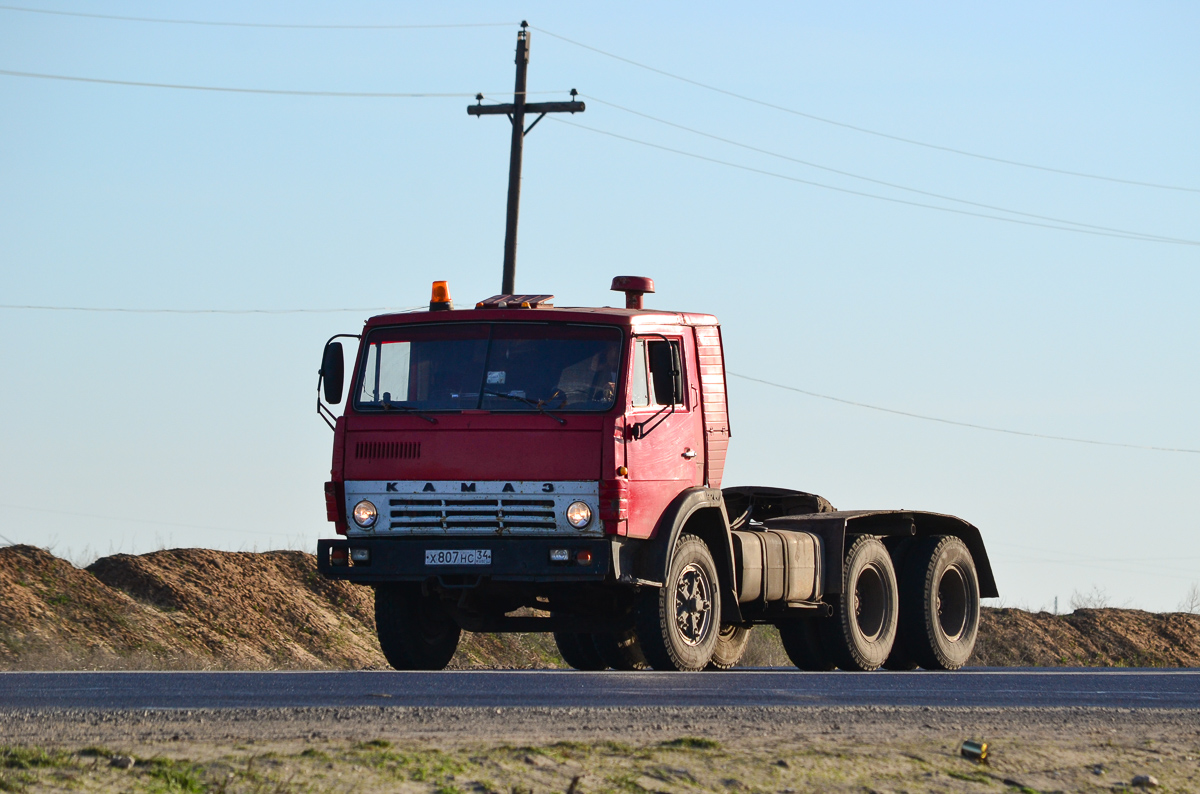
{"x":641,"y":382}
{"x":657,"y":373}
{"x":666,"y":373}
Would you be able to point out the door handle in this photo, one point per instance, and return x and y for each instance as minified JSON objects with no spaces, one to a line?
{"x":689,"y":453}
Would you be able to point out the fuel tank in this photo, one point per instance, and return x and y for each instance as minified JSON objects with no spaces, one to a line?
{"x":777,"y":565}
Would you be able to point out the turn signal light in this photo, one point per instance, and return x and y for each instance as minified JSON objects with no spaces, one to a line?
{"x":339,"y":555}
{"x":584,"y":557}
{"x":439,"y":300}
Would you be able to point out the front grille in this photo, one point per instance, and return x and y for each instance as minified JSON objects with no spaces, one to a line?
{"x":387,"y":450}
{"x":471,"y":513}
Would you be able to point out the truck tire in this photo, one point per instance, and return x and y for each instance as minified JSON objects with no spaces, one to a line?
{"x":939,"y":604}
{"x":801,"y":637}
{"x":862,"y":630}
{"x":415,"y":631}
{"x":621,"y":650}
{"x":730,"y":647}
{"x":579,"y":650}
{"x":678,"y":623}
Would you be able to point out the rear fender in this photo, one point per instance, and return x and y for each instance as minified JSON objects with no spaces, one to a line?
{"x":699,"y":512}
{"x":833,"y":528}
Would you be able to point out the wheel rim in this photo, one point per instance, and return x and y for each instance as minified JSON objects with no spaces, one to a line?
{"x":693,"y":604}
{"x":870,"y":603}
{"x":952,"y":603}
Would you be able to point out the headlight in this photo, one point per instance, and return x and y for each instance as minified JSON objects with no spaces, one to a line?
{"x":365,"y":514}
{"x":579,"y":514}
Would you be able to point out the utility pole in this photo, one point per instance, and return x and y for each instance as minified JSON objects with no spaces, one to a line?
{"x":516,"y":114}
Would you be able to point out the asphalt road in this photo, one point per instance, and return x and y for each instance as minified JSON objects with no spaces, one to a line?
{"x":1003,"y":688}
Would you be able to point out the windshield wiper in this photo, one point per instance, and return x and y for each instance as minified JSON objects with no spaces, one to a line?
{"x":387,"y":406}
{"x":538,"y":404}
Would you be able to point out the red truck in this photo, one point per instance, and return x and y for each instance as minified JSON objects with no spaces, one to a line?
{"x":518,"y":466}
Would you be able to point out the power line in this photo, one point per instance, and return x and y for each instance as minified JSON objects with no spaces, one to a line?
{"x":697,"y":83}
{"x":1078,"y":230}
{"x":960,"y":424}
{"x":864,"y":130}
{"x":274,"y":91}
{"x":117,"y":310}
{"x":872,"y":180}
{"x":159,"y":20}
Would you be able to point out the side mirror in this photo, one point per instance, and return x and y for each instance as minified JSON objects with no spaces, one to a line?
{"x":333,"y":372}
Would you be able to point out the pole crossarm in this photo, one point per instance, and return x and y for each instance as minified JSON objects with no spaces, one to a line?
{"x":530,"y":107}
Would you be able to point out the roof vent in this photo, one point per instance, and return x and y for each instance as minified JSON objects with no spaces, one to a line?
{"x":515,"y":302}
{"x":633,"y":287}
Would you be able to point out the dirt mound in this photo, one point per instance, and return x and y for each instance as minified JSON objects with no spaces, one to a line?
{"x":1088,"y":638}
{"x":204,"y":609}
{"x":50,"y":608}
{"x":197,"y":608}
{"x":268,"y":610}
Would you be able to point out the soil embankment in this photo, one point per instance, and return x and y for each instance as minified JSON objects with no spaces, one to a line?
{"x":203,"y":609}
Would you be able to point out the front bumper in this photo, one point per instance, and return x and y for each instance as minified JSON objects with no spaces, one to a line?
{"x":513,"y":559}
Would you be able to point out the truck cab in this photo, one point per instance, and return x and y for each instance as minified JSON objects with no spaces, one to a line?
{"x":518,"y":466}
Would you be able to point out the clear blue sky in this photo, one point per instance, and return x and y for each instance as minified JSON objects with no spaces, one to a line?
{"x":132,"y":432}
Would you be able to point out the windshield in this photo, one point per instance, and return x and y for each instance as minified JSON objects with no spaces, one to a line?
{"x":490,"y":366}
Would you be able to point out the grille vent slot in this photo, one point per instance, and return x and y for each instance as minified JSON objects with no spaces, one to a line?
{"x":415,"y":513}
{"x":387,"y":450}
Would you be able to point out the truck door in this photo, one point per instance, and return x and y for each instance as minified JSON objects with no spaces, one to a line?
{"x":664,"y":445}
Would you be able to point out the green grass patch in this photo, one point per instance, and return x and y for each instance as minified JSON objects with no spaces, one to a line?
{"x":973,"y":777}
{"x":374,"y":744}
{"x":691,"y":743}
{"x":31,"y":758}
{"x":316,"y":755}
{"x":617,"y":747}
{"x":15,"y":781}
{"x":578,"y":747}
{"x":174,"y":776}
{"x":96,"y":752}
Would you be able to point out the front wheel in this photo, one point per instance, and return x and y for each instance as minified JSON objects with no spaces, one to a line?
{"x":860,"y":634}
{"x":415,"y":631}
{"x":621,"y":650}
{"x":678,"y":623}
{"x":579,"y":650}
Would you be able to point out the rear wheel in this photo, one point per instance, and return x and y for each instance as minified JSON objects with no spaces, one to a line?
{"x":939,"y":606}
{"x":801,"y":637}
{"x":678,"y":623}
{"x":730,"y":647}
{"x":621,"y":650}
{"x":862,"y":630}
{"x":415,"y":631}
{"x":579,"y":650}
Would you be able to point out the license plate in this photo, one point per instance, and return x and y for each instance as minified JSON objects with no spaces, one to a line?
{"x":458,"y":556}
